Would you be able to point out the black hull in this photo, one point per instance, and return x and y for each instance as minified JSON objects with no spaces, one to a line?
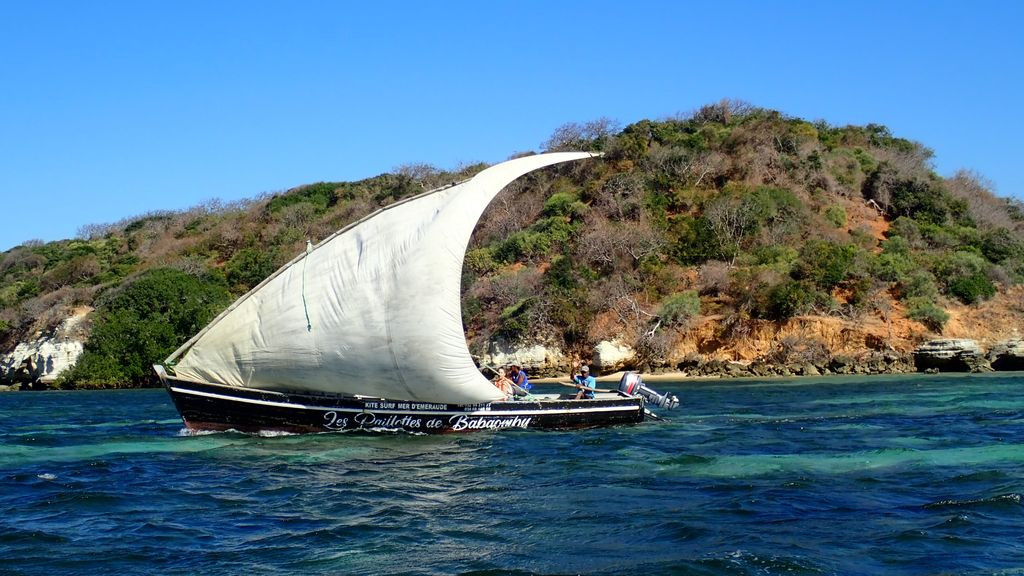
{"x":214,"y":407}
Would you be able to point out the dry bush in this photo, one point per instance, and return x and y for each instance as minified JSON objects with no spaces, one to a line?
{"x":428,"y":177}
{"x":915,"y":163}
{"x":653,"y":347}
{"x":622,"y":197}
{"x":799,"y":349}
{"x":504,"y":290}
{"x":297,"y":216}
{"x":824,"y":183}
{"x":509,"y":212}
{"x":623,"y":296}
{"x":45,"y":312}
{"x":229,"y":234}
{"x":758,"y":160}
{"x":574,"y":137}
{"x":723,"y":112}
{"x":78,"y":269}
{"x":191,"y":265}
{"x":713,"y":277}
{"x":736,"y":326}
{"x":613,"y":246}
{"x":1000,"y":276}
{"x":988,"y":210}
{"x":97,"y":231}
{"x":22,"y":259}
{"x":350,"y":211}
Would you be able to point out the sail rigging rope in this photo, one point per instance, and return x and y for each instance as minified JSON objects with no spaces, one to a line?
{"x":305,"y":308}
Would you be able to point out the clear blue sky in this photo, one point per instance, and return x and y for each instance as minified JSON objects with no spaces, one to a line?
{"x":111,"y":109}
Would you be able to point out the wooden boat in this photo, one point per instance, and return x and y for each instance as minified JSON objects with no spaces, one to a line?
{"x":364,"y":332}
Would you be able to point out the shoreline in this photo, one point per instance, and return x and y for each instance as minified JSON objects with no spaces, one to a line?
{"x":685,"y":377}
{"x":616,"y":376}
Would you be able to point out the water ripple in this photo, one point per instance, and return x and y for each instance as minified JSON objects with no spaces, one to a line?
{"x":861,"y":477}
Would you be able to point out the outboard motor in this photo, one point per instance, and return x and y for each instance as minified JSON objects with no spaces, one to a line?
{"x":633,"y":385}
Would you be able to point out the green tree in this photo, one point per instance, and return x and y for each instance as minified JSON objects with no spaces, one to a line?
{"x":972,"y":289}
{"x":925,"y":311}
{"x":141,"y":323}
{"x":680,"y":308}
{"x":965,"y":276}
{"x":918,"y":284}
{"x":1000,"y":244}
{"x":248,"y":267}
{"x":836,"y":215}
{"x":824,"y":263}
{"x":789,"y":298}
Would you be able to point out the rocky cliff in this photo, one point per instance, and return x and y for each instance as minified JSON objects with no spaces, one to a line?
{"x":38,"y":363}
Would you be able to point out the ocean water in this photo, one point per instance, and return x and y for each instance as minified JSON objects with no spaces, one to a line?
{"x":883,"y":475}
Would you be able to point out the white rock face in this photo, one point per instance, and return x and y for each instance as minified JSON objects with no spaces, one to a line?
{"x":611,"y":356}
{"x":50,"y":358}
{"x":50,"y":355}
{"x":950,"y":355}
{"x":529,"y":356}
{"x":537,"y":359}
{"x":949,"y":348}
{"x":1007,"y":355}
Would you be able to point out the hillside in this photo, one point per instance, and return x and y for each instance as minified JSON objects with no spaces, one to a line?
{"x":734,"y":232}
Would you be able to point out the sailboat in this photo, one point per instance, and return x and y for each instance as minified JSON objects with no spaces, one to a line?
{"x":364,"y":332}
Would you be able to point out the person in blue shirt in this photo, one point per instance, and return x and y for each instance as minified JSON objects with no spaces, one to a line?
{"x":585,"y":382}
{"x":519,"y":378}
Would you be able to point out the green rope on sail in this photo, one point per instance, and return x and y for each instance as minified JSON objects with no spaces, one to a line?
{"x":305,"y":308}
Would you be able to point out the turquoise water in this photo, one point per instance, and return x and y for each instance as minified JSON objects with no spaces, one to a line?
{"x":901,"y":475}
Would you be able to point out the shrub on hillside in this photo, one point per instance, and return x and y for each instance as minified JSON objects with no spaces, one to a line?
{"x":972,"y":289}
{"x":836,"y":215}
{"x":892,"y":266}
{"x":695,"y":241}
{"x":905,"y":194}
{"x":826,"y":264}
{"x":918,"y":284}
{"x":740,"y":212}
{"x":790,"y":298}
{"x":480,"y":261}
{"x":319,"y":196}
{"x":514,"y":320}
{"x":248,"y":267}
{"x":907,"y":229}
{"x":965,"y":276}
{"x":522,"y":245}
{"x":1001,"y":244}
{"x":141,"y":323}
{"x":927,"y":312}
{"x":679,"y":308}
{"x":564,"y":204}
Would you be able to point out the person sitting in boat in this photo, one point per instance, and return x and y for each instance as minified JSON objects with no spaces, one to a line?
{"x":519,"y":378}
{"x":585,"y":382}
{"x":503,"y":383}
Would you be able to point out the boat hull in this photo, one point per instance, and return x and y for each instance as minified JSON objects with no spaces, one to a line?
{"x":205,"y":406}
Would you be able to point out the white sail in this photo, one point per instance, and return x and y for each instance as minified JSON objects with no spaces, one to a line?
{"x":374,"y":310}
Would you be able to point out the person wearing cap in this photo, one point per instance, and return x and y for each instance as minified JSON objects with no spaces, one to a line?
{"x":585,"y":382}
